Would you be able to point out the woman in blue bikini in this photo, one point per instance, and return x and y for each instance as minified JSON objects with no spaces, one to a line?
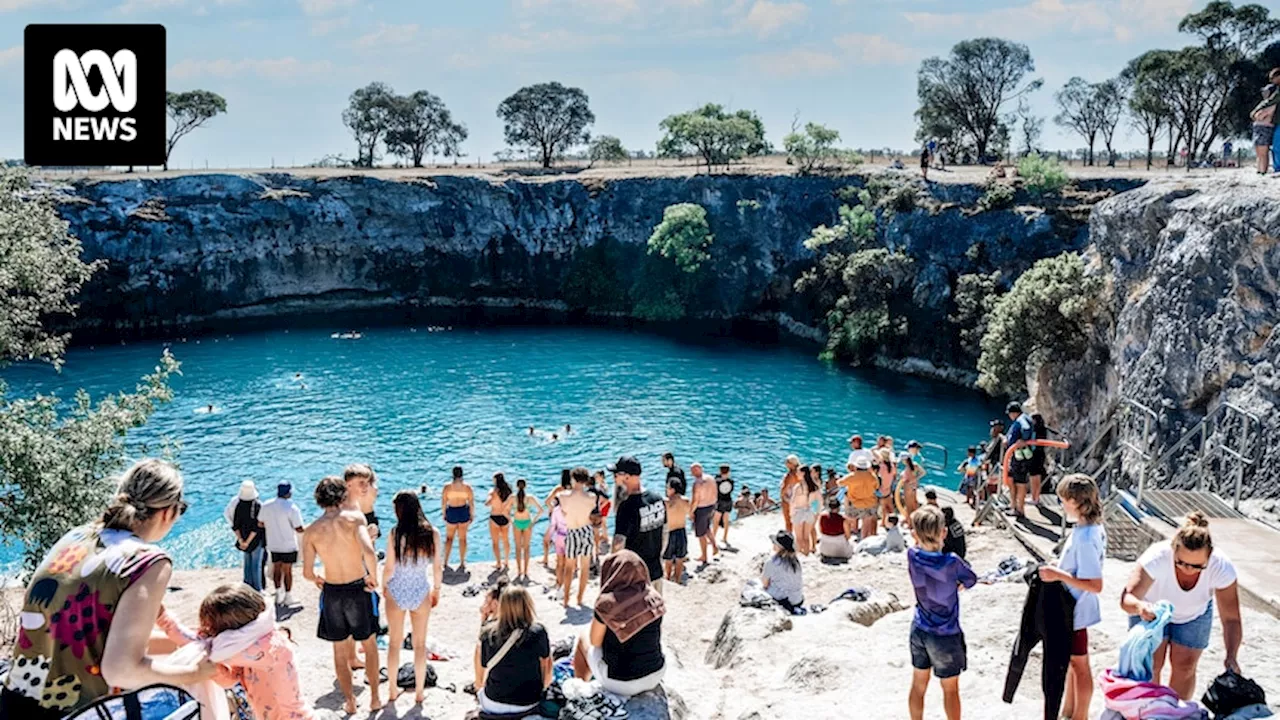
{"x":459,"y":503}
{"x":411,"y":579}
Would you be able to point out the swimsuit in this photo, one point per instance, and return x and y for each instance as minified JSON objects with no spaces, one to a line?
{"x":580,"y":542}
{"x":522,"y":523}
{"x":347,"y":611}
{"x":677,"y":545}
{"x":702,"y":520}
{"x":410,"y":584}
{"x":457,"y":514}
{"x":499,"y":520}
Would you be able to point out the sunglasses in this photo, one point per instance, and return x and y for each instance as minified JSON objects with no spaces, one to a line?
{"x":1190,"y":566}
{"x":182,"y":506}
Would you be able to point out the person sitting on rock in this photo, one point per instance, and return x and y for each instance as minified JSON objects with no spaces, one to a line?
{"x":833,"y":533}
{"x":746,"y":505}
{"x":623,"y":649}
{"x":513,"y":659}
{"x":764,"y":503}
{"x":781,"y":576}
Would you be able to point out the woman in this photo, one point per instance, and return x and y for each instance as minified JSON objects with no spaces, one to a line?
{"x":909,"y":484}
{"x":1190,"y":575}
{"x":802,"y":515}
{"x":565,"y":485}
{"x":781,"y":576}
{"x":499,"y":503}
{"x":887,"y":471}
{"x":249,"y":537}
{"x":624,"y":648}
{"x":1039,"y":459}
{"x":833,"y":533}
{"x":526,"y":513}
{"x":411,"y":580}
{"x":1264,"y":124}
{"x":458,"y":503}
{"x":513,"y":659}
{"x":112,"y":579}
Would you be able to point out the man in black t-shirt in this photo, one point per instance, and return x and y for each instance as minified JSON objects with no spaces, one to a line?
{"x":640,"y":522}
{"x":674,"y":471}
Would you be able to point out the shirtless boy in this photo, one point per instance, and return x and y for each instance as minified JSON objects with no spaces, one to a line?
{"x":704,"y":507}
{"x":678,"y":508}
{"x":580,"y":543}
{"x":348,"y":605}
{"x":459,"y":502}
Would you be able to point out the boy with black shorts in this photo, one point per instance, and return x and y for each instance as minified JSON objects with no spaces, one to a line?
{"x":677,"y":538}
{"x":936,"y":641}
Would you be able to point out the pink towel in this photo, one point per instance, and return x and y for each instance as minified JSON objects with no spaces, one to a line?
{"x":1144,"y":700}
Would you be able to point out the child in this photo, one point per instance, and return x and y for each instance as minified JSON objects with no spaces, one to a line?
{"x":890,"y":541}
{"x":936,"y":641}
{"x":1080,"y":569}
{"x":559,"y":532}
{"x":969,"y":469}
{"x":677,"y":539}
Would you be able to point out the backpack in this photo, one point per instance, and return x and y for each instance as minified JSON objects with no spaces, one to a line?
{"x":1229,"y":692}
{"x":405,"y":676}
{"x":154,"y":702}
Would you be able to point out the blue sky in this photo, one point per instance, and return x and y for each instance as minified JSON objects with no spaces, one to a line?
{"x":286,"y":67}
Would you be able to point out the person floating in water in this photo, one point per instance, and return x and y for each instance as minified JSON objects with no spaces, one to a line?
{"x":532,"y":431}
{"x":209,"y":409}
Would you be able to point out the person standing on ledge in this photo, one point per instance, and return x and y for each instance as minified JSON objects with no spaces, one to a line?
{"x":674,"y":471}
{"x":1021,"y":431}
{"x":640,"y":524}
{"x":244,"y":523}
{"x":459,"y":505}
{"x":791,"y":478}
{"x":677,"y":537}
{"x":579,"y":544}
{"x":724,"y":504}
{"x":704,"y":508}
{"x":281,"y":520}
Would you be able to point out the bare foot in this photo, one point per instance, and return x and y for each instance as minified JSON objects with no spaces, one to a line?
{"x":419,"y":698}
{"x":374,"y":703}
{"x":394,"y":693}
{"x":350,"y":706}
{"x":357,"y":665}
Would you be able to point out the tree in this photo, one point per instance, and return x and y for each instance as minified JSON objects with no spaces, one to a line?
{"x":1110,"y":95}
{"x":419,"y":123}
{"x":368,"y":116}
{"x":815,"y":151}
{"x":548,"y":118}
{"x":1079,"y":110}
{"x":188,"y":111}
{"x":975,"y":297}
{"x":717,"y":136}
{"x":1192,"y":89}
{"x":683,"y":236}
{"x":967,"y":90}
{"x":607,"y":148}
{"x":1149,"y":112}
{"x":54,"y":466}
{"x":1030,"y":127}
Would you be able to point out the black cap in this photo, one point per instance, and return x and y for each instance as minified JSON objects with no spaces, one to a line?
{"x":626,"y":464}
{"x":997,"y":423}
{"x":785,"y":540}
{"x":913,"y":443}
{"x":1013,"y":406}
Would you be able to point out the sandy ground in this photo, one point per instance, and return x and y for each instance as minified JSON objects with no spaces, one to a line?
{"x":812,"y":670}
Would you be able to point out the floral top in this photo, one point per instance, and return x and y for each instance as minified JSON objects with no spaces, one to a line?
{"x":67,"y":613}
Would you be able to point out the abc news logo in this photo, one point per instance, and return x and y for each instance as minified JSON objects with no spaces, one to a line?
{"x":94,"y":95}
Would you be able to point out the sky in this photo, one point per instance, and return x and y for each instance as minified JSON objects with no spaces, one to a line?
{"x":287,"y":67}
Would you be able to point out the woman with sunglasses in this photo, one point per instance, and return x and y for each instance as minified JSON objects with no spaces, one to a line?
{"x":1191,"y":576}
{"x":89,"y":612}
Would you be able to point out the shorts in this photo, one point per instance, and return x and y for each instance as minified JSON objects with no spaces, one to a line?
{"x":347,"y":611}
{"x":288,"y":558}
{"x":457,"y":514}
{"x":1020,"y":471}
{"x":1192,"y":634}
{"x":1263,"y":135}
{"x":724,"y":506}
{"x":853,"y":513}
{"x":1080,"y":642}
{"x":580,"y":542}
{"x":947,"y":655}
{"x":1036,"y":467}
{"x":677,"y":545}
{"x":702,"y":520}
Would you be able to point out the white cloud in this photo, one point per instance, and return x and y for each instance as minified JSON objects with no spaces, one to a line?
{"x":11,"y":55}
{"x":766,"y":18}
{"x":549,"y":40}
{"x":874,"y":49}
{"x":1114,"y":18}
{"x":286,"y":68}
{"x":795,"y":62}
{"x":324,"y":26}
{"x":323,"y":7}
{"x":849,"y":51}
{"x":132,"y":6}
{"x":387,"y":35}
{"x":10,"y":5}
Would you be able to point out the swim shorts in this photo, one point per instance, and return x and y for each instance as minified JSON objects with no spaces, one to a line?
{"x":457,"y":514}
{"x":702,"y":520}
{"x":1020,"y":470}
{"x":677,"y":545}
{"x":945,"y":654}
{"x":347,"y":611}
{"x":289,"y":557}
{"x":580,"y":542}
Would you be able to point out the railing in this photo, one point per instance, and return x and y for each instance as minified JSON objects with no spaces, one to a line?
{"x":1210,"y":426}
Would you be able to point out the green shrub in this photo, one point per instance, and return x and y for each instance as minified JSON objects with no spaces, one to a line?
{"x":998,"y":195}
{"x":664,"y":305}
{"x":683,"y":236}
{"x":975,"y":296}
{"x":863,"y":317}
{"x":1043,"y":176}
{"x":745,"y":204}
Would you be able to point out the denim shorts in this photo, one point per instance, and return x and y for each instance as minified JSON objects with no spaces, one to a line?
{"x":1262,"y":135}
{"x":947,"y":655}
{"x":1192,"y":634}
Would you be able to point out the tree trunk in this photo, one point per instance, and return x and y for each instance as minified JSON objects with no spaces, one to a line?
{"x":1151,"y":149}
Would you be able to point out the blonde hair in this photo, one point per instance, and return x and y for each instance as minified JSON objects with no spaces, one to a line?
{"x":1194,"y":533}
{"x":356,"y":470}
{"x":515,"y":612}
{"x":1083,"y":491}
{"x":928,"y":523}
{"x":230,"y":607}
{"x":146,"y":487}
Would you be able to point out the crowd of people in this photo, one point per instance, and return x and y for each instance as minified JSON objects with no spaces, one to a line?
{"x":93,"y":611}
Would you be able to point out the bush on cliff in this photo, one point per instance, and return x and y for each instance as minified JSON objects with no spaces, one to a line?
{"x":54,"y":465}
{"x":975,"y":297}
{"x":592,"y":282}
{"x":683,"y":236}
{"x":1042,"y":175}
{"x":868,"y":315}
{"x":1045,"y":315}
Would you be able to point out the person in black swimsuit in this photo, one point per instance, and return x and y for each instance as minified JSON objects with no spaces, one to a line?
{"x":724,"y":502}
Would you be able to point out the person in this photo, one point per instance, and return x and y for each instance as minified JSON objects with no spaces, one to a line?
{"x":931,"y":497}
{"x":1020,"y":432}
{"x":111,"y":563}
{"x":993,"y":459}
{"x":890,"y":541}
{"x":411,"y":580}
{"x":623,"y":649}
{"x":831,"y":488}
{"x":640,"y":524}
{"x":724,"y":504}
{"x":558,"y":531}
{"x":833,"y":533}
{"x":1228,"y":151}
{"x":359,"y":481}
{"x":781,"y":576}
{"x":861,"y":505}
{"x":348,"y":605}
{"x":886,"y":467}
{"x":281,"y":520}
{"x":1080,"y":569}
{"x":968,"y":470}
{"x":565,"y":485}
{"x":1039,"y":458}
{"x":513,"y":658}
{"x":579,"y":543}
{"x":954,"y":542}
{"x":857,"y":454}
{"x":674,"y":470}
{"x":802,"y":516}
{"x":244,"y":524}
{"x":704,"y":510}
{"x":1263,"y":117}
{"x":459,"y":502}
{"x":924,"y":164}
{"x":745,"y":505}
{"x":789,"y":480}
{"x":368,"y":501}
{"x":677,"y":549}
{"x":525,"y":515}
{"x":909,"y":483}
{"x":499,"y":502}
{"x":1191,"y":575}
{"x":764,"y":503}
{"x":936,"y":640}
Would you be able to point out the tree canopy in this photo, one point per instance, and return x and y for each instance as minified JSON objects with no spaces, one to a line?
{"x":607,"y":148}
{"x":419,"y":123}
{"x":710,"y":132}
{"x":815,"y":151}
{"x":683,"y":236}
{"x":368,"y":116}
{"x":547,"y":118}
{"x":188,"y":111}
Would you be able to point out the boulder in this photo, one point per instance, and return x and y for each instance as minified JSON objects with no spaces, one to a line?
{"x":660,"y":704}
{"x":742,"y":626}
{"x":868,"y":612}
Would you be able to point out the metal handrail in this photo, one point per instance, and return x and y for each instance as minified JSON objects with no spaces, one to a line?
{"x":1200,"y":426}
{"x":946,"y":463}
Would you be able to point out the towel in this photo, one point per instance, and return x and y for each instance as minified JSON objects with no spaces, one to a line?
{"x":1138,"y":651}
{"x":212,"y":698}
{"x":1144,"y":700}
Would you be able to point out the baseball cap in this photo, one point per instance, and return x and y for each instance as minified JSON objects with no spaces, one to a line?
{"x":626,"y":464}
{"x":1013,"y":406}
{"x":284,"y":489}
{"x":997,"y":423}
{"x":913,"y":444}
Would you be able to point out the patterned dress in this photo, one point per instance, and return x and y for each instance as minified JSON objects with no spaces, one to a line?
{"x":66,"y":616}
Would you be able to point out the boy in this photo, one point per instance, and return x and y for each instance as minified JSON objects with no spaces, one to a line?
{"x":969,"y":469}
{"x":931,"y":497}
{"x":677,"y":540}
{"x":936,"y":641}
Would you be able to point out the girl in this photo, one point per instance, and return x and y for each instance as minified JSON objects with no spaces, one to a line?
{"x":623,"y":649}
{"x":499,"y":503}
{"x":558,"y":532}
{"x":781,"y":574}
{"x":513,"y":658}
{"x":522,"y":521}
{"x":565,"y":485}
{"x":1080,"y":569}
{"x":909,"y":484}
{"x":411,"y":579}
{"x":802,"y":515}
{"x":815,"y":505}
{"x":1039,"y":459}
{"x":887,"y":469}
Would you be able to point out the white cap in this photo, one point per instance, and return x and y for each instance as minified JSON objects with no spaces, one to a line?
{"x":248,"y":491}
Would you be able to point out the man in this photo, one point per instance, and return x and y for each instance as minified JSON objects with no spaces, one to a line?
{"x":856,"y":452}
{"x":640,"y":524}
{"x":458,"y":502}
{"x":724,"y":504}
{"x":861,"y":506}
{"x":1020,"y":432}
{"x":764,"y":503}
{"x":348,"y":605}
{"x":677,"y":538}
{"x":791,"y":478}
{"x":367,"y":506}
{"x":993,"y":457}
{"x":674,"y":471}
{"x":282,"y":521}
{"x":704,"y":508}
{"x":579,"y":545}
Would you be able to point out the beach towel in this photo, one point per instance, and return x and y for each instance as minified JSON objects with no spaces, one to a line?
{"x":1138,"y":700}
{"x":1138,"y":651}
{"x":155,"y":702}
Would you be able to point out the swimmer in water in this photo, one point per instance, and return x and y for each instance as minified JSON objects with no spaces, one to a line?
{"x":531,"y":431}
{"x":554,"y":437}
{"x":209,"y":409}
{"x":567,"y":429}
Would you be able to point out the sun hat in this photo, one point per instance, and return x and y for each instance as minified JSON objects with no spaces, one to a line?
{"x":248,"y":491}
{"x":785,"y":540}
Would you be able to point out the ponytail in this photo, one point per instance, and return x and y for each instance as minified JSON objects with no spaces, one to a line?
{"x":124,"y":513}
{"x":1194,"y":533}
{"x":147,"y":486}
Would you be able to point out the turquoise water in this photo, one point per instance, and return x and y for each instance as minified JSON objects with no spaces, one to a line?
{"x":413,"y":403}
